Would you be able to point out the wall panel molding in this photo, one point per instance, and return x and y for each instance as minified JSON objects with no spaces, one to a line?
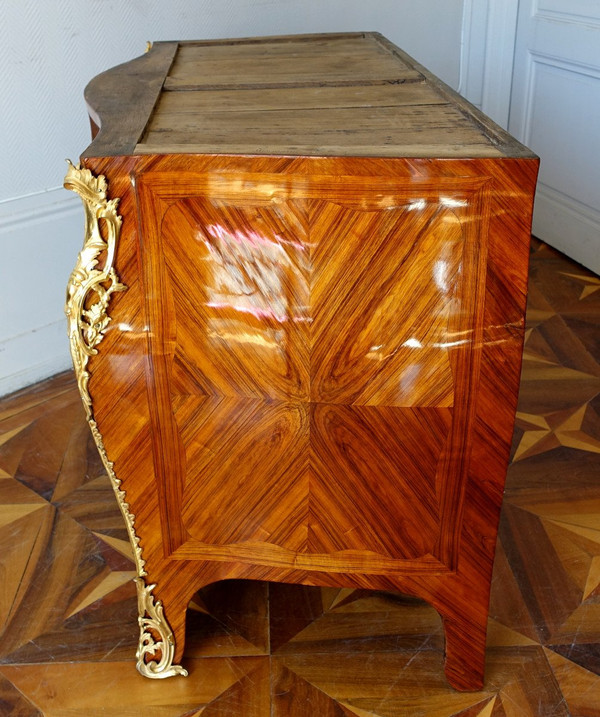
{"x":585,"y":12}
{"x":556,"y":97}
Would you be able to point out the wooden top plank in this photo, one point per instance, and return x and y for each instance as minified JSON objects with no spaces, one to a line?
{"x":319,"y":95}
{"x":283,"y":149}
{"x":281,"y":46}
{"x":368,"y":130}
{"x":179,"y":104}
{"x":121,"y":100}
{"x":355,"y":61}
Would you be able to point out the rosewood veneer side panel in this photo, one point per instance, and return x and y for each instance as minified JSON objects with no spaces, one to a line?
{"x":161,"y":188}
{"x":311,"y":376}
{"x":128,"y":421}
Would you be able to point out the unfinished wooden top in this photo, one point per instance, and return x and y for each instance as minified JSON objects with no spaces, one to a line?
{"x":352,"y":94}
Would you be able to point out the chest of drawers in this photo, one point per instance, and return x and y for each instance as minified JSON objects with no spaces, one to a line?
{"x":297,"y":322}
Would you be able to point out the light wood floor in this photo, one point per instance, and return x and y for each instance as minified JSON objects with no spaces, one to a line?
{"x":67,"y":603}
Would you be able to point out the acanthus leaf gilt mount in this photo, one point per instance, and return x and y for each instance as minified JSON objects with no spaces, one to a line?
{"x":87,"y":318}
{"x":89,"y":291}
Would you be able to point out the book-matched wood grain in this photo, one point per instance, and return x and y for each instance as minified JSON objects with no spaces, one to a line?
{"x":352,"y":341}
{"x":312,"y":376}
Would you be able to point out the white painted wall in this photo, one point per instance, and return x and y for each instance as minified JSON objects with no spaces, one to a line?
{"x":489,"y":29}
{"x":50,"y":49}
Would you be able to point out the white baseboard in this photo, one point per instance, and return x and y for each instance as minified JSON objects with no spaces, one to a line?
{"x":557,"y":220}
{"x":33,"y":356}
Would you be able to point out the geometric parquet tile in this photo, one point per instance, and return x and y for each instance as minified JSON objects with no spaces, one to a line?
{"x":68,"y":608}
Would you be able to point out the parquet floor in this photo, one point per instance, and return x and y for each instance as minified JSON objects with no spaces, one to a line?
{"x":68,"y":611}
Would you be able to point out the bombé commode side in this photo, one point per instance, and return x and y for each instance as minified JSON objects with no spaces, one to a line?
{"x":297,"y":325}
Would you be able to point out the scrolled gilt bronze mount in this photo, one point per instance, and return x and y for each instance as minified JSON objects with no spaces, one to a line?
{"x":91,"y":285}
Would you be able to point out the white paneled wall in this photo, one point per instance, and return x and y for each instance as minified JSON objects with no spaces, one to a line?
{"x":555,"y":109}
{"x":48,"y":52}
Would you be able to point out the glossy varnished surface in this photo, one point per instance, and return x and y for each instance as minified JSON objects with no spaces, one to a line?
{"x":67,"y":606}
{"x":284,"y":425}
{"x":280,"y":324}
